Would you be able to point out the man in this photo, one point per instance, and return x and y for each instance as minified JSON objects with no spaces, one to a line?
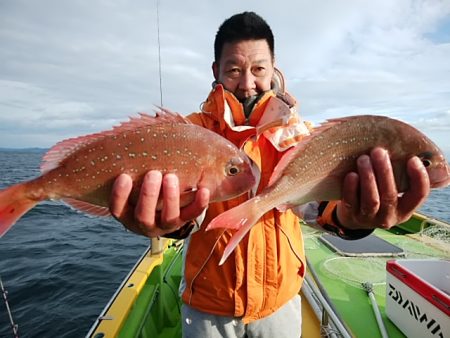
{"x":254,"y":293}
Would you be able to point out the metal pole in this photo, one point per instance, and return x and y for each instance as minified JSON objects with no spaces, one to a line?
{"x":369,"y":289}
{"x":326,"y":307}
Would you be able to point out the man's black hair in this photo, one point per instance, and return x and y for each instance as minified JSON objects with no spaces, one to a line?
{"x":243,"y":26}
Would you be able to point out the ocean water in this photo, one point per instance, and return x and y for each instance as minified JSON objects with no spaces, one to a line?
{"x":61,"y":267}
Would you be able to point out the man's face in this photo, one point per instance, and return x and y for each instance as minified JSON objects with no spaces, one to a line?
{"x":245,"y":68}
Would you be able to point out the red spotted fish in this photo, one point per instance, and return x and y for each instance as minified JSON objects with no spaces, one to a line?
{"x":81,"y":171}
{"x":314,"y":169}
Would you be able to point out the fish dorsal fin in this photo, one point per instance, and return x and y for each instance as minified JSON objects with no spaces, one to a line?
{"x":64,"y":149}
{"x":161,"y":116}
{"x":292,"y":152}
{"x":88,"y":208}
{"x":164,"y":115}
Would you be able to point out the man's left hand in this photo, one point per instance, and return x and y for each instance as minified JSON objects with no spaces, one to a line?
{"x":370,"y":198}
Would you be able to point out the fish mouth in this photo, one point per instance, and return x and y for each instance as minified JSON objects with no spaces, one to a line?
{"x":444,"y":175}
{"x":441,"y":184}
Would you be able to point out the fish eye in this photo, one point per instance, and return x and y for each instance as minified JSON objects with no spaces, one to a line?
{"x":426,"y":162}
{"x":232,"y":170}
{"x":426,"y":157}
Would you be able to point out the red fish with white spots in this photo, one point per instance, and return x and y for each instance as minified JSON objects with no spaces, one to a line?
{"x":81,"y":171}
{"x":314,"y":170}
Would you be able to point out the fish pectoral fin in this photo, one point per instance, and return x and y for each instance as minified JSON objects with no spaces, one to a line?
{"x":187,"y":196}
{"x":88,"y":208}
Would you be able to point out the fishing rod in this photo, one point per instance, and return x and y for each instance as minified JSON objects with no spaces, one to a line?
{"x":159,"y":54}
{"x":14,"y":326}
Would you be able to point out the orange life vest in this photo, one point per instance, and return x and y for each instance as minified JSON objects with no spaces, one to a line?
{"x":266,"y":269}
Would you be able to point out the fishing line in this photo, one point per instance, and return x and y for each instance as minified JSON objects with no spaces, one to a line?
{"x":14,"y":326}
{"x":159,"y":54}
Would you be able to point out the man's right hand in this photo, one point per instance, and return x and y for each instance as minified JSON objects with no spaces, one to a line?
{"x":144,"y":218}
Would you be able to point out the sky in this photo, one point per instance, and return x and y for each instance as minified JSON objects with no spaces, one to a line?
{"x":73,"y":67}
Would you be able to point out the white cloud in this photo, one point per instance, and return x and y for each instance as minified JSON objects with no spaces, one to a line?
{"x":70,"y":68}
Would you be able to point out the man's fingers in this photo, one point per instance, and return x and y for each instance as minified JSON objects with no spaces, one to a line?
{"x":147,"y":217}
{"x":350,"y":193}
{"x":369,"y":195}
{"x":118,"y":204}
{"x":387,"y":212}
{"x":148,"y":199}
{"x":196,"y":208}
{"x":418,"y":190}
{"x":171,"y":201}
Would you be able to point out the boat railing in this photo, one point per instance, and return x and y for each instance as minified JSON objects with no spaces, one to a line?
{"x":158,"y":245}
{"x":103,"y":315}
{"x":331,"y":324}
{"x":432,"y":222}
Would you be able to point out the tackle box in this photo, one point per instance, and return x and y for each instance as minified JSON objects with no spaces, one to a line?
{"x":418,"y":296}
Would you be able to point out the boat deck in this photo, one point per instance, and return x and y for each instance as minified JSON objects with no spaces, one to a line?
{"x":341,"y":276}
{"x":148,"y":305}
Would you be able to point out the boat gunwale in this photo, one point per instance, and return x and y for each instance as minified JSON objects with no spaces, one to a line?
{"x":103,"y":320}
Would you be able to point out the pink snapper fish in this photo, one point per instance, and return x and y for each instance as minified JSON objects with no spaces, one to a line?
{"x":314,"y":169}
{"x":81,"y":171}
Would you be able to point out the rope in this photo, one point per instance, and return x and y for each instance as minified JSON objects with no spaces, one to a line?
{"x":14,"y":326}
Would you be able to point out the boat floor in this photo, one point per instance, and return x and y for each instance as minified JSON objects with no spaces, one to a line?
{"x":342,"y":276}
{"x":148,"y":305}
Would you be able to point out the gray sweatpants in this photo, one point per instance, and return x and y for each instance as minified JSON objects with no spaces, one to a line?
{"x":286,"y":322}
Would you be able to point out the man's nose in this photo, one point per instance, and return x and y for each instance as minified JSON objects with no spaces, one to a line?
{"x":247,"y":81}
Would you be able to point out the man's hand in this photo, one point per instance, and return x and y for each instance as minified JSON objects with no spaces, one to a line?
{"x":370,"y":198}
{"x":145,"y":219}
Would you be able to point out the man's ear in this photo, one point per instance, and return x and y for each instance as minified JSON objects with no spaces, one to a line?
{"x":215,"y":69}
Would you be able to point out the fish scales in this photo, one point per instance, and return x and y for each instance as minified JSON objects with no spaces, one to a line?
{"x":97,"y":165}
{"x":314,"y":170}
{"x":82,"y":171}
{"x":334,"y":151}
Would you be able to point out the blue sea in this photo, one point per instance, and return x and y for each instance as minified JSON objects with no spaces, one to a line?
{"x":60,"y":267}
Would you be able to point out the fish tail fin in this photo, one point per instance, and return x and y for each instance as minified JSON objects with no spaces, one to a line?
{"x":242,"y":217}
{"x":14,"y":203}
